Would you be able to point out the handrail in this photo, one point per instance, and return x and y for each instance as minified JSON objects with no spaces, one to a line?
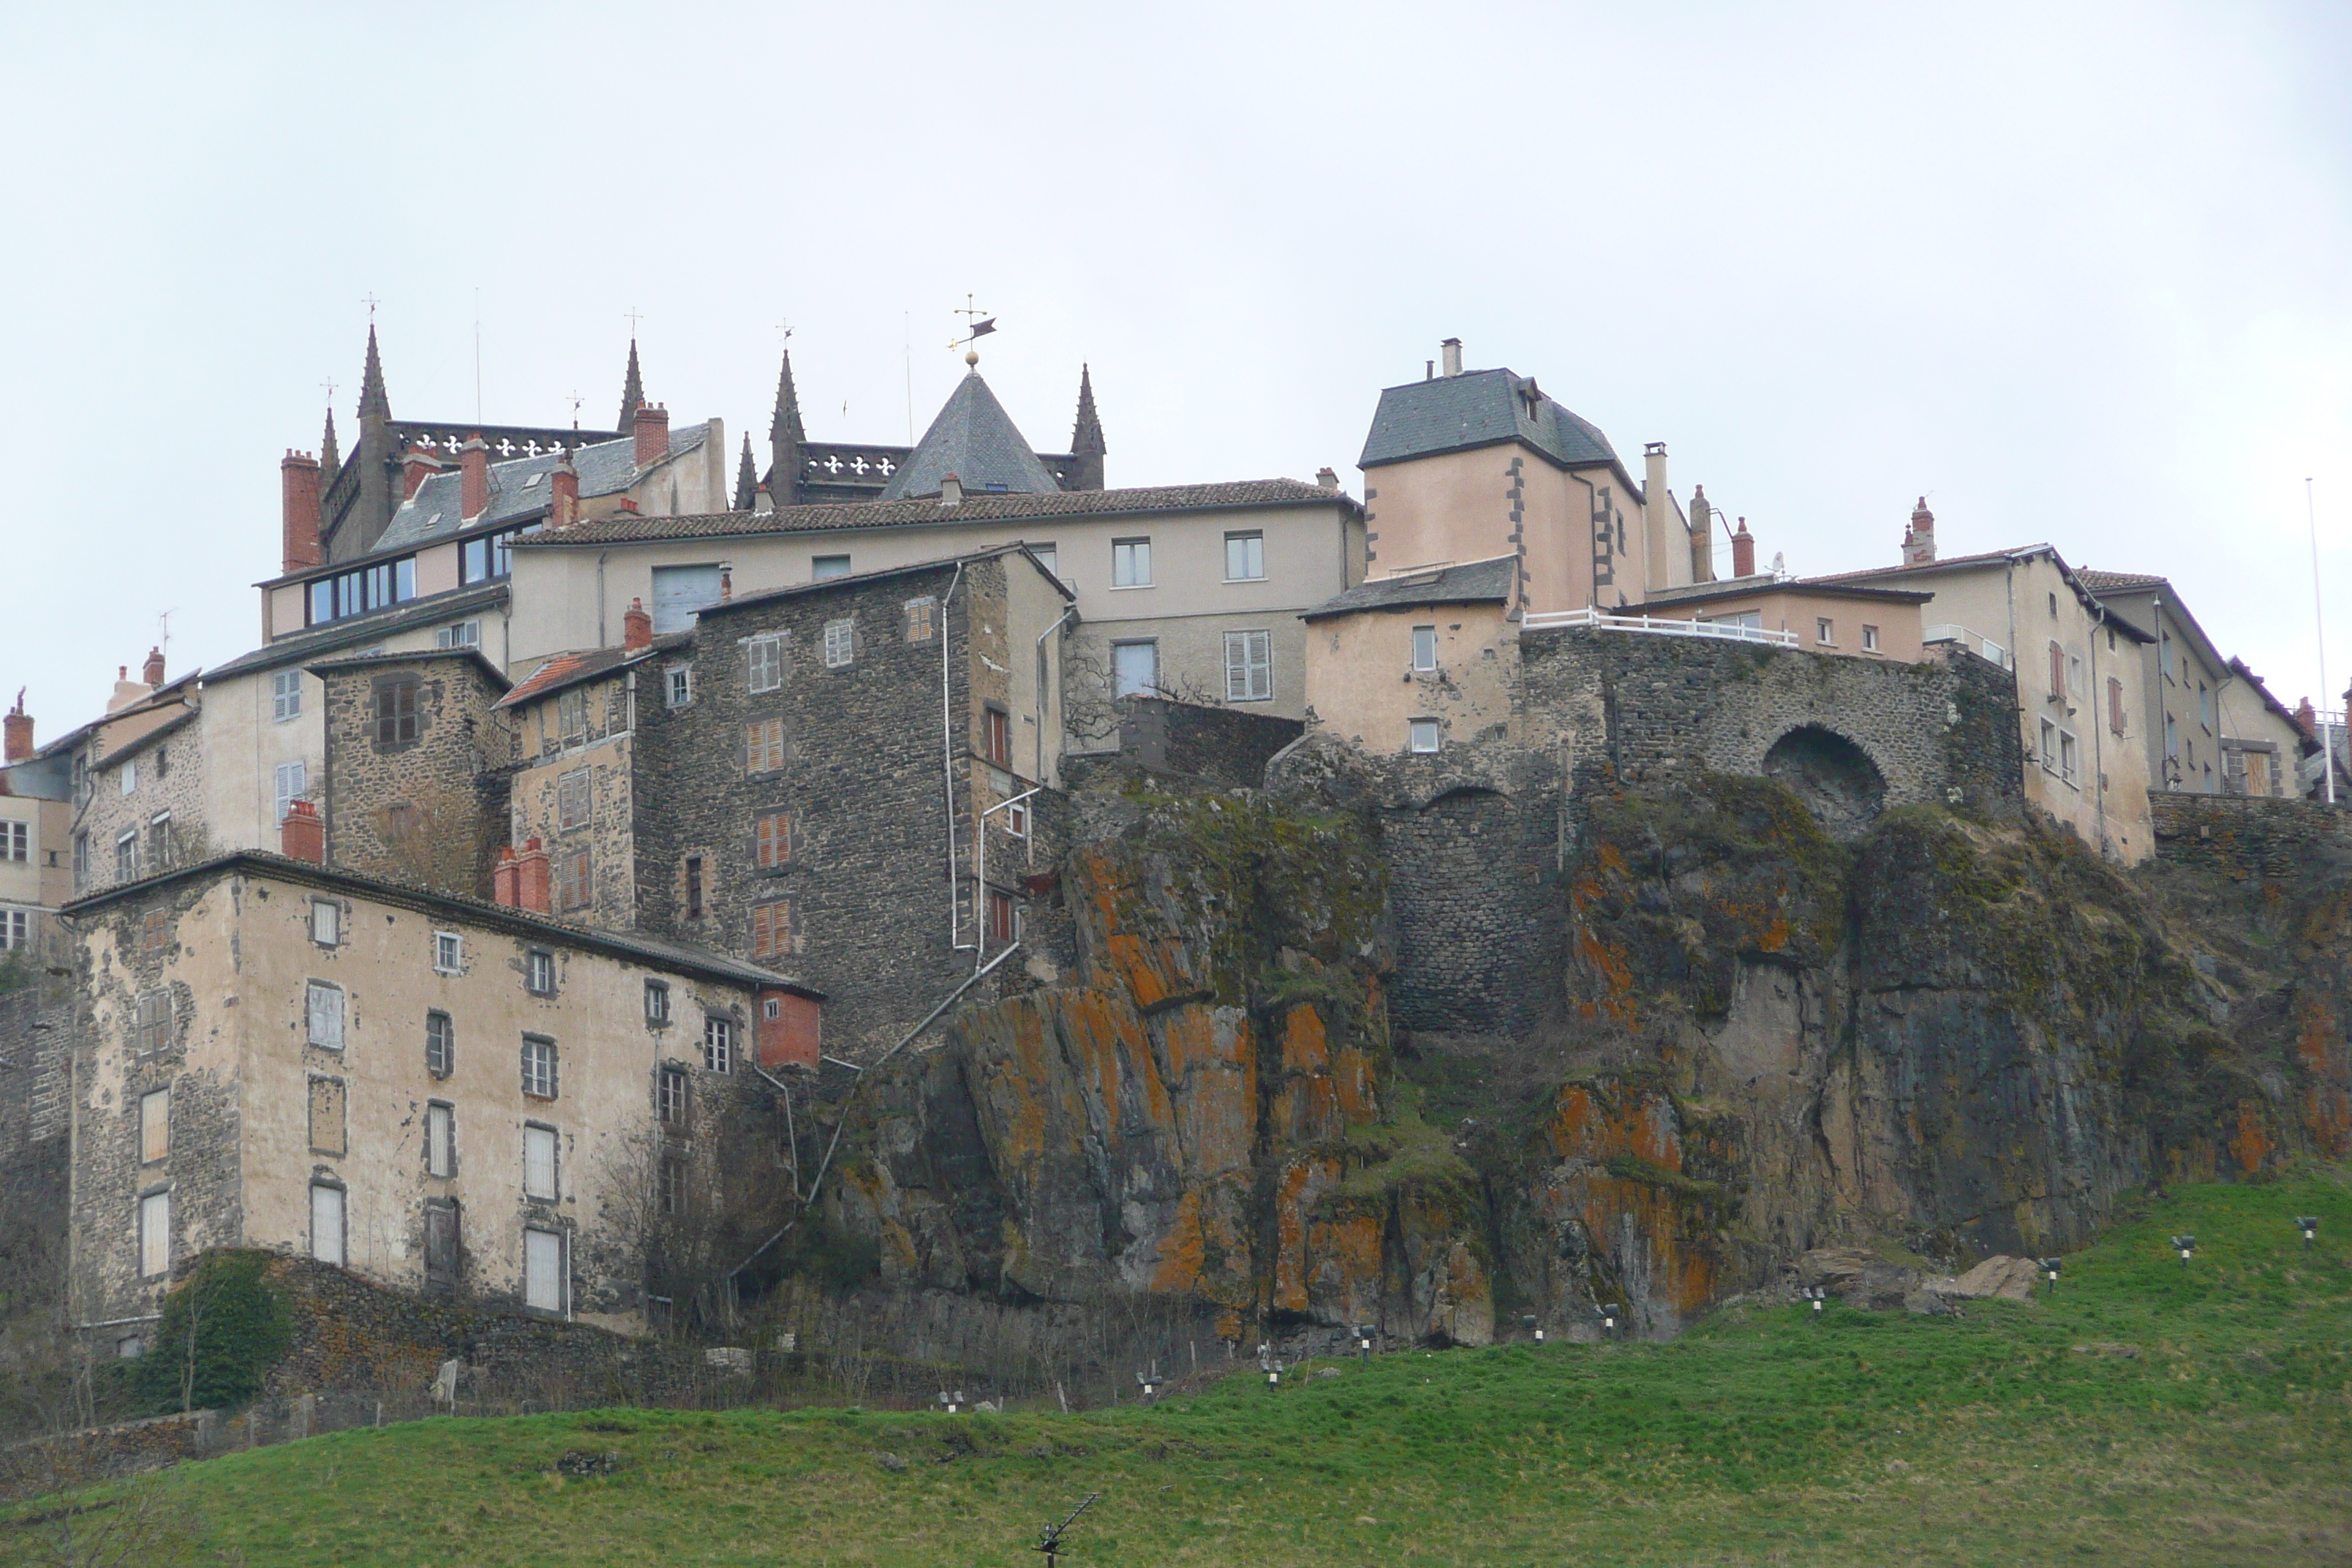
{"x":1597,"y":620}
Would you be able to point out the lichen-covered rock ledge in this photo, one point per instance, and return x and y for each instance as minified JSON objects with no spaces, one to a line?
{"x":1947,"y":1038}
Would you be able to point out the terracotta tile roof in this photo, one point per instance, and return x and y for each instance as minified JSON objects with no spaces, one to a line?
{"x":985,"y":507}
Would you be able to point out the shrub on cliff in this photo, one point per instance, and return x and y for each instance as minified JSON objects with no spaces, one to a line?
{"x":224,"y":1327}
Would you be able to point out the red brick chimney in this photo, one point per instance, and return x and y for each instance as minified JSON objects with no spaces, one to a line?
{"x":1919,"y":539}
{"x":636,"y":628}
{"x":562,"y":493}
{"x":1743,"y":551}
{"x":474,"y":483}
{"x":152,"y":672}
{"x":298,"y":481}
{"x":503,"y":877}
{"x":532,"y":883}
{"x":303,"y":834}
{"x":2306,"y":718}
{"x":653,"y":433}
{"x":789,"y":1030}
{"x":20,"y":731}
{"x":416,"y":466}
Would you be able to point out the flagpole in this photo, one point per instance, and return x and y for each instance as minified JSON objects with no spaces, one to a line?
{"x":2319,"y":626}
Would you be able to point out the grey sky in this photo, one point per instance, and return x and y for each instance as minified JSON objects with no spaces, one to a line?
{"x":2078,"y":273}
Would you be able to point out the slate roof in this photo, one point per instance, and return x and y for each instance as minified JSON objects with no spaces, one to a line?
{"x":519,"y":489}
{"x":1473,"y":582}
{"x":474,"y":655}
{"x":304,"y":646}
{"x":1478,"y":408}
{"x":569,"y":668}
{"x":527,"y":924}
{"x":841,"y":515}
{"x":974,"y":439}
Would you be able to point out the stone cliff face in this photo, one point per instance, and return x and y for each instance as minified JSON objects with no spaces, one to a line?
{"x":1946,"y":1037}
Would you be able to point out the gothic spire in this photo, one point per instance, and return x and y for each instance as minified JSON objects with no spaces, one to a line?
{"x":330,"y":458}
{"x":1086,"y":437}
{"x":633,"y":392}
{"x":747,"y":478}
{"x":785,"y":437}
{"x":373,"y":398}
{"x":786,"y":420}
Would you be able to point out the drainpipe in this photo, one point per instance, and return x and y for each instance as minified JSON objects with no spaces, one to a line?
{"x":947,"y":766}
{"x":600,"y":595}
{"x":1049,"y":631}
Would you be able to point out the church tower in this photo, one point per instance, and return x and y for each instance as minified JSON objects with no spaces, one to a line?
{"x":786,"y":438}
{"x":633,"y":394}
{"x":1086,"y":437}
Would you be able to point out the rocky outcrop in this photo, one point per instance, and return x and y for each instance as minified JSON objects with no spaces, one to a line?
{"x":1941,"y":1039}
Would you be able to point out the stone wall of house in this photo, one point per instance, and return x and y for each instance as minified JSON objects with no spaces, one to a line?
{"x":2244,"y":837}
{"x":170,"y":774}
{"x":859,"y":906}
{"x":1224,"y":745}
{"x":604,"y":831}
{"x":430,"y":811}
{"x":36,"y":1040}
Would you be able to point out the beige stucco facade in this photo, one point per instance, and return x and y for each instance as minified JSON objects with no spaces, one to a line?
{"x":1362,"y":688}
{"x":1861,"y":623}
{"x":261,"y":1115}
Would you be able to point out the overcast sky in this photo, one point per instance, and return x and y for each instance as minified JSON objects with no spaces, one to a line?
{"x":2079,"y":273}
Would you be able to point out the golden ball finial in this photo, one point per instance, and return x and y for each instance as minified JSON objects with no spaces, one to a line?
{"x":972,"y":358}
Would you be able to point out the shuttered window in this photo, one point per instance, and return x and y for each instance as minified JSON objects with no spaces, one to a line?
{"x":775,"y":840}
{"x":155,"y":1235}
{"x":543,"y":1270}
{"x":154,"y":1126}
{"x":326,"y":1224}
{"x":538,"y":1163}
{"x":1249,"y":666}
{"x":326,"y":1015}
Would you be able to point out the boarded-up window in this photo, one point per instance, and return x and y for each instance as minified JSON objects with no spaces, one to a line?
{"x":575,"y":882}
{"x":763,"y":746}
{"x":155,"y":1235}
{"x":543,"y":1270}
{"x":154,"y":1126}
{"x":327,"y":1223}
{"x":396,"y":710}
{"x":2115,"y":705}
{"x":571,"y":717}
{"x":772,"y":929}
{"x":326,"y":1015}
{"x":440,"y":1140}
{"x":571,"y":799}
{"x":775,"y":839}
{"x":326,"y":922}
{"x":327,"y":1095}
{"x":538,"y":1172}
{"x":440,"y":1244}
{"x":155,"y":929}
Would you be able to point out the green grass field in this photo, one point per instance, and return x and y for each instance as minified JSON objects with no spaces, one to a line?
{"x":1763,"y":1437}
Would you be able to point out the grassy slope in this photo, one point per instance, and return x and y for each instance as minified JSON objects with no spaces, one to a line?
{"x":1760,"y":1437}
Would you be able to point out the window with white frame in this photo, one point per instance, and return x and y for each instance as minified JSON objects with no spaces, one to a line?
{"x":16,"y":840}
{"x":543,"y":1269}
{"x":2049,"y":746}
{"x":126,"y":855}
{"x":538,"y":1068}
{"x":326,"y":922}
{"x":159,"y":841}
{"x":323,"y":1007}
{"x":657,"y":1002}
{"x":1130,"y":563}
{"x":1424,"y":649}
{"x":154,"y":1126}
{"x":1420,"y":734}
{"x":327,"y":1223}
{"x":129,"y":776}
{"x":1016,"y":823}
{"x":440,"y":1139}
{"x":538,"y":1172}
{"x":670,"y":1098}
{"x":539,"y":973}
{"x":155,"y":1235}
{"x":1249,"y":666}
{"x":1245,"y":557}
{"x":292,"y":780}
{"x":448,"y":952}
{"x":840,"y":643}
{"x":766,"y":657}
{"x":440,"y":1044}
{"x":2069,"y":757}
{"x":671,"y":1184}
{"x":1825,"y":631}
{"x":285,"y":695}
{"x":15,"y":931}
{"x":1135,"y":668}
{"x":1870,"y":639}
{"x":719,"y":1045}
{"x":1049,"y":557}
{"x":680,"y":686}
{"x":465,"y":634}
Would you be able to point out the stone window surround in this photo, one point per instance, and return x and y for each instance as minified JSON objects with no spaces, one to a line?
{"x":553,"y":1135}
{"x":657,"y":1013}
{"x":677,"y":685}
{"x":542,"y":1069}
{"x":538,"y":972}
{"x":717,"y":1043}
{"x":440,"y":1044}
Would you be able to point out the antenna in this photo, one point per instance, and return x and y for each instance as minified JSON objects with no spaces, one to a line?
{"x":477,"y":356}
{"x":1049,"y":1540}
{"x":2319,"y":616}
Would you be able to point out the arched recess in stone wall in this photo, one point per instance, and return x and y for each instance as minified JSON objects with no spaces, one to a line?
{"x":1833,"y":777}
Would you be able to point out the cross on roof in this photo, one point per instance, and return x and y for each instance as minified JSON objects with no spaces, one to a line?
{"x":371,"y":302}
{"x":633,"y":319}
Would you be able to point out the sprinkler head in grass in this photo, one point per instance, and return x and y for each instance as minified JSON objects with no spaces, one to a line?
{"x":2309,"y":1225}
{"x":2184,"y":1245}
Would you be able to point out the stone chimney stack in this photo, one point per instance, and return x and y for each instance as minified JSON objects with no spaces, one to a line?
{"x":126,"y":690}
{"x":636,"y":628}
{"x":1919,"y":539}
{"x":303,"y":834}
{"x":297,"y":480}
{"x":653,"y":433}
{"x":1329,"y":478}
{"x":1743,"y":551}
{"x":951,"y":490}
{"x":474,"y":478}
{"x":416,"y":466}
{"x":1451,"y":351}
{"x":562,"y":493}
{"x":20,"y":731}
{"x":1702,"y":536}
{"x":152,"y":672}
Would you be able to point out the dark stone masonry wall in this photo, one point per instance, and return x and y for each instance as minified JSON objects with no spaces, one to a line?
{"x":2244,"y":837}
{"x":431,"y":811}
{"x":1224,"y":745}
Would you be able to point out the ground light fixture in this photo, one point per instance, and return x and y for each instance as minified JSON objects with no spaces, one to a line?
{"x":2050,"y":1273}
{"x":2309,"y":1225}
{"x":2184,"y":1245}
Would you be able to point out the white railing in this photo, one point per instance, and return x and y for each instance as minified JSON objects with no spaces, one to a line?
{"x":1975,"y":642}
{"x":1594,"y":620}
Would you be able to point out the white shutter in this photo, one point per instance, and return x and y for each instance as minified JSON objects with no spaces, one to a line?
{"x":543,"y":1270}
{"x":155,"y":1233}
{"x":440,"y":1145}
{"x":326,"y":1224}
{"x":1237,"y":665}
{"x":326,"y":1016}
{"x":538,"y":1163}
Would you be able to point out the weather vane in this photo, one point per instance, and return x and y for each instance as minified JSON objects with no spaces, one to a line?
{"x":974,"y":330}
{"x":633,"y":319}
{"x":371,"y":302}
{"x":330,"y":384}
